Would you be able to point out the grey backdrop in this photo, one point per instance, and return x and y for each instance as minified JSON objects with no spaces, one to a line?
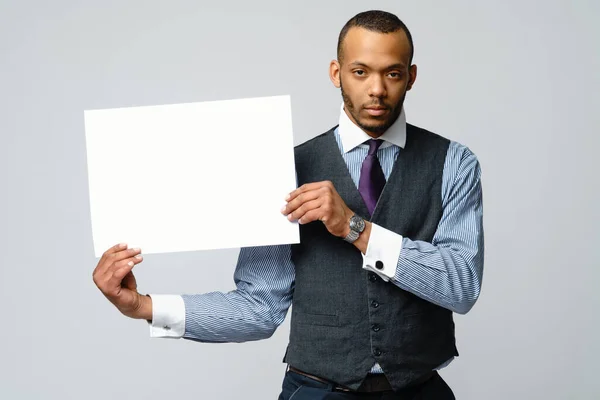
{"x":516,"y":81}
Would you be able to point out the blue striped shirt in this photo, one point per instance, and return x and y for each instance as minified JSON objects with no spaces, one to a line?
{"x":448,"y":271}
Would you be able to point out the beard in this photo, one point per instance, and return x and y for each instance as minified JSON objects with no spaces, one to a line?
{"x":376,"y":128}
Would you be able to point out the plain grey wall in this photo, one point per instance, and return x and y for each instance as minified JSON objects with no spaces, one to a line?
{"x":516,"y":81}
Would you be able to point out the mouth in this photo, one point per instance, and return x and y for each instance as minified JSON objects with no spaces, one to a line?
{"x":376,"y":111}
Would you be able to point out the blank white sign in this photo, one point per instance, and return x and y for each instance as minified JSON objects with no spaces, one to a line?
{"x":192,"y":176}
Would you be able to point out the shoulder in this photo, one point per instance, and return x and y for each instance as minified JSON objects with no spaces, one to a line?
{"x":457,"y":153}
{"x":308,"y":146}
{"x":462,"y":157}
{"x":423,"y":134}
{"x":462,"y":172}
{"x":314,"y":140}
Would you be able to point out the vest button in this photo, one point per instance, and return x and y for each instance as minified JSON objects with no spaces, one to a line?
{"x":377,"y":352}
{"x":376,"y":328}
{"x":372,"y":277}
{"x":374,"y":304}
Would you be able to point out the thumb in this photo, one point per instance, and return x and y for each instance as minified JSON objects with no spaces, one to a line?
{"x":129,"y":281}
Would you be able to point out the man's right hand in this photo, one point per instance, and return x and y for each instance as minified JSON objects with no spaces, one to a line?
{"x":115,"y":280}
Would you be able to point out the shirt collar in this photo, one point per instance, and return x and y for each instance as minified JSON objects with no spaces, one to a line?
{"x":352,"y":136}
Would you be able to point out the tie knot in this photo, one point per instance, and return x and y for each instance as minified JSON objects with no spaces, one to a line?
{"x":374,"y":146}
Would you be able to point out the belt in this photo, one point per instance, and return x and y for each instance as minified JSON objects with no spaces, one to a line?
{"x":372,"y":383}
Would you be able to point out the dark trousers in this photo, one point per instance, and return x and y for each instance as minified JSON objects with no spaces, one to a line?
{"x":300,"y":387}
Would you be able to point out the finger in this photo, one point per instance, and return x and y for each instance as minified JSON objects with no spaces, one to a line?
{"x":115,"y":248}
{"x":114,"y":279}
{"x":304,"y":208}
{"x":301,"y":199}
{"x":129,"y":281}
{"x":117,"y":265}
{"x":113,"y":258}
{"x":307,"y":187}
{"x":112,"y":250}
{"x":311,"y":216}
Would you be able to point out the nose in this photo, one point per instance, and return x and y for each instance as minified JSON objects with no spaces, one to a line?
{"x":377,"y":87}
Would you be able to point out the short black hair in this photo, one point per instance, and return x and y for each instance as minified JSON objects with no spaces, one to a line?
{"x":376,"y":21}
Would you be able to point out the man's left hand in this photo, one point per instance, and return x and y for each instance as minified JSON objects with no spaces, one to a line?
{"x":319,"y":201}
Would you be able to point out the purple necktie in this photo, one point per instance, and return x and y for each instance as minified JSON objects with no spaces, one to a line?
{"x":372,"y":179}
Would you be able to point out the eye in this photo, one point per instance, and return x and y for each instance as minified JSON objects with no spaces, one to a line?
{"x":395,"y":75}
{"x":359,"y":72}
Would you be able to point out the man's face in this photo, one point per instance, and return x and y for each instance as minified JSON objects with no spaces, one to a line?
{"x":374,"y":75}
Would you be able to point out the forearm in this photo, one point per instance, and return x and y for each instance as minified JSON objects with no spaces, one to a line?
{"x":226,"y":317}
{"x":264,"y":277}
{"x":446,"y":276}
{"x":442,"y":275}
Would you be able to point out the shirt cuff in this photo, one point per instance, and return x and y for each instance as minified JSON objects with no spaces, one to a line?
{"x":383,"y":252}
{"x":168,"y":316}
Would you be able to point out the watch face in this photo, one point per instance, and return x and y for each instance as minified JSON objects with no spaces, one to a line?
{"x":357,"y":223}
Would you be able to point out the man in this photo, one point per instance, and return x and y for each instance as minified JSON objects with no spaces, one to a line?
{"x":391,"y":245}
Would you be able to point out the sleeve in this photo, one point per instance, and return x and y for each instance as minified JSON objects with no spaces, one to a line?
{"x":264,"y":278}
{"x":168,"y":316}
{"x":383,"y":251}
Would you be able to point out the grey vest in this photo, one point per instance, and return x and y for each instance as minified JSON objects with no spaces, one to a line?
{"x":345,"y":319}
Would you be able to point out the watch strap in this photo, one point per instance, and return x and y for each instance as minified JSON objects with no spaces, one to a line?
{"x":352,"y":236}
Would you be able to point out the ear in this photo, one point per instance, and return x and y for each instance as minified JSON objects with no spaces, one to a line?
{"x":334,"y":73}
{"x":412,"y":72}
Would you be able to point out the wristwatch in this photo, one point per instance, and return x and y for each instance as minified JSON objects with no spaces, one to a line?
{"x":357,"y":225}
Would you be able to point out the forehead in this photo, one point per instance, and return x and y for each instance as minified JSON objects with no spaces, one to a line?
{"x":375,"y":48}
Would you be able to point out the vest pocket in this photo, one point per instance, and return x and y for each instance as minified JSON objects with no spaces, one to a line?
{"x":317,"y":319}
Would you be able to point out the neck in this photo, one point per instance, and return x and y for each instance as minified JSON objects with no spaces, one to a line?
{"x":374,"y":135}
